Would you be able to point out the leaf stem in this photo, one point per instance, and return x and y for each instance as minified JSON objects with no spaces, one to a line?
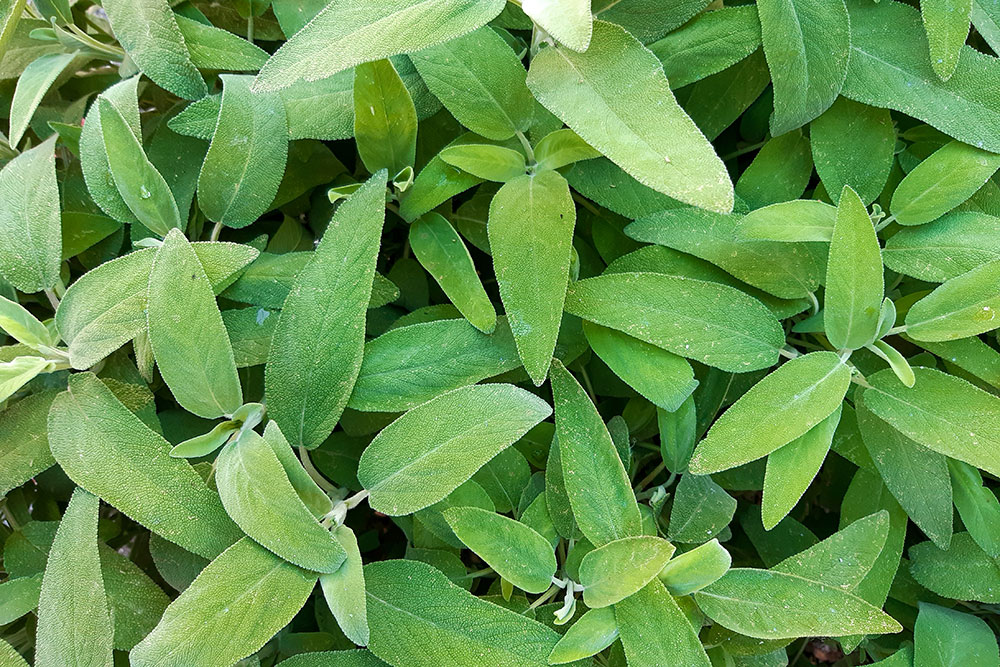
{"x":53,"y":299}
{"x":651,"y":476}
{"x":885,"y":223}
{"x":896,"y":330}
{"x":315,"y":474}
{"x":743,"y":151}
{"x":216,"y":230}
{"x":526,"y":145}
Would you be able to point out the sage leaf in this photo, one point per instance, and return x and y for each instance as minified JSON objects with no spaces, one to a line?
{"x":476,"y":422}
{"x":385,"y":120}
{"x":618,"y":569}
{"x":961,"y":307}
{"x":655,"y":630}
{"x":532,"y":261}
{"x":344,"y":589}
{"x":664,"y":151}
{"x":308,"y":386}
{"x":73,"y":622}
{"x":778,"y":409}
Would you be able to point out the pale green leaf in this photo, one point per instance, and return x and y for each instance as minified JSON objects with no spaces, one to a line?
{"x":595,"y":480}
{"x":715,"y":324}
{"x":780,"y":408}
{"x":853,"y":144}
{"x":977,"y":505}
{"x":656,"y":631}
{"x":32,"y":86}
{"x":258,"y":496}
{"x":74,"y":627}
{"x":429,"y":451}
{"x":773,"y":605}
{"x":24,"y":445}
{"x":246,"y":159}
{"x":420,"y":619}
{"x":186,"y":332}
{"x":616,"y":97}
{"x":354,"y":32}
{"x":515,"y":551}
{"x":590,"y":634}
{"x":385,"y":120}
{"x":410,"y":365}
{"x":947,"y":26}
{"x":480,"y":80}
{"x":807,"y":44}
{"x":29,"y":219}
{"x":700,"y":511}
{"x":492,"y":163}
{"x":961,"y":307}
{"x":148,"y":32}
{"x":562,"y":147}
{"x":791,"y":221}
{"x":693,"y":570}
{"x":618,"y":569}
{"x":530,"y":228}
{"x":237,"y":603}
{"x":107,"y":450}
{"x":569,"y":21}
{"x":946,"y":248}
{"x":309,"y":384}
{"x":854,"y":286}
{"x":940,"y":412}
{"x":213,"y":48}
{"x":344,"y":590}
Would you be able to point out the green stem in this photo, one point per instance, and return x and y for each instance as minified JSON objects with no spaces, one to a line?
{"x":215,"y":232}
{"x":651,"y":476}
{"x":526,"y":145}
{"x":743,"y":151}
{"x":315,"y":474}
{"x":250,"y":28}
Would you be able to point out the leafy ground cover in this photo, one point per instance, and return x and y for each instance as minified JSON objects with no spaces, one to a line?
{"x":656,"y":333}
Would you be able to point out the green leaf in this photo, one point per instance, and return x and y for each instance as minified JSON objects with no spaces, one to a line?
{"x":141,"y":186}
{"x":385,"y":120}
{"x":530,"y":229}
{"x":411,"y":365}
{"x":916,"y":476}
{"x":853,"y":144}
{"x":677,"y":434}
{"x":505,"y":478}
{"x":963,"y":572}
{"x":890,"y":67}
{"x":944,"y":180}
{"x":515,"y":551}
{"x":854,"y":287}
{"x":897,"y":362}
{"x":308,"y":384}
{"x":237,"y":603}
{"x":8,"y":655}
{"x":951,"y":638}
{"x":212,"y":48}
{"x":595,"y":480}
{"x":442,"y":252}
{"x":20,"y":371}
{"x":32,"y":86}
{"x":429,"y":451}
{"x":308,"y":490}
{"x":246,"y":159}
{"x":947,"y":26}
{"x":707,"y":44}
{"x":773,"y":605}
{"x":436,"y":183}
{"x":662,"y":377}
{"x":780,"y":171}
{"x":105,"y":308}
{"x":481,"y":81}
{"x":29,"y":220}
{"x":711,"y":323}
{"x":20,"y":596}
{"x":419,"y":618}
{"x":256,"y":493}
{"x":186,"y":331}
{"x":977,"y":506}
{"x":807,"y":45}
{"x":791,"y":469}
{"x":940,"y":412}
{"x":946,"y":248}
{"x":961,"y":307}
{"x":701,"y":509}
{"x":632,"y":118}
{"x":780,"y":408}
{"x":790,"y":221}
{"x":22,"y":326}
{"x":845,"y":558}
{"x":148,"y":32}
{"x":107,"y":450}
{"x":353,"y":32}
{"x":10,"y":15}
{"x":693,"y":570}
{"x":486,"y":161}
{"x":74,"y":627}
{"x":344,"y":590}
{"x":24,"y":445}
{"x":785,"y":270}
{"x":656,"y":631}
{"x":569,"y":22}
{"x":562,"y":147}
{"x":93,"y":155}
{"x":618,"y":569}
{"x":135,"y":601}
{"x":590,"y":634}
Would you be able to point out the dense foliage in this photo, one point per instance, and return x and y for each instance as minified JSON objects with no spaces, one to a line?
{"x":655,"y":333}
